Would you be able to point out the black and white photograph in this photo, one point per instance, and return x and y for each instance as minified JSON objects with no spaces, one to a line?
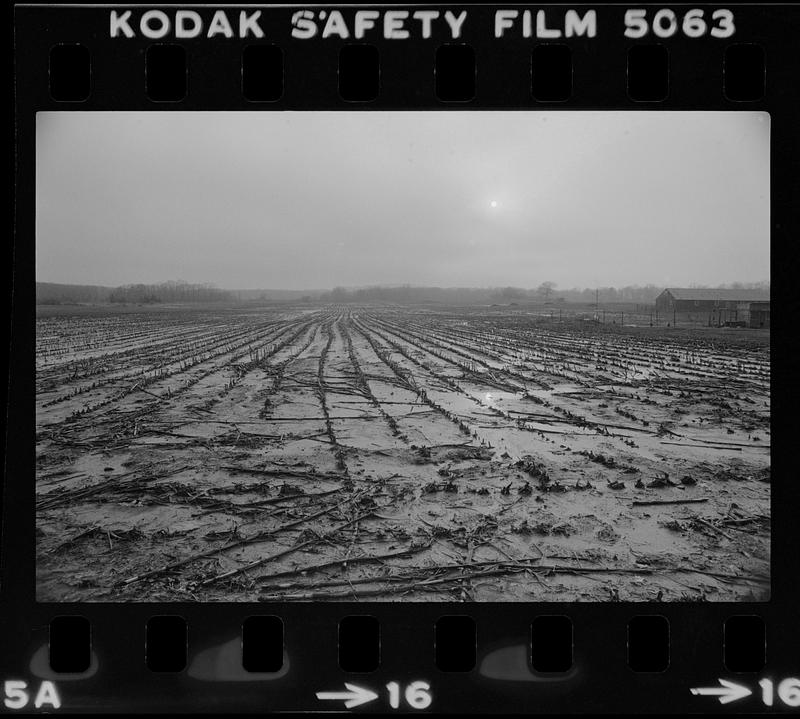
{"x":498,"y":356}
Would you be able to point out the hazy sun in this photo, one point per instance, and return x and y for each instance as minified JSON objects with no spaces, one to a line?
{"x":493,"y":203}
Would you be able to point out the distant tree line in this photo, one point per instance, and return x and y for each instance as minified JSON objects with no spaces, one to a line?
{"x":184,"y":292}
{"x":169,"y":292}
{"x":546,"y":292}
{"x":405,"y":294}
{"x":48,"y":293}
{"x":630,"y":293}
{"x":453,"y":295}
{"x":51,"y":293}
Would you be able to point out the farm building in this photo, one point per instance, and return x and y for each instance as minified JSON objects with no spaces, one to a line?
{"x":744,"y":308}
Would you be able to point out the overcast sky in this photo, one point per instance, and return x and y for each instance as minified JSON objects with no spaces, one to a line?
{"x":292,"y":200}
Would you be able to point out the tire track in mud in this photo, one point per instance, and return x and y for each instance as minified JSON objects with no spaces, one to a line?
{"x":176,"y":364}
{"x":279,"y":371}
{"x":443,"y":339}
{"x":612,"y":352}
{"x":78,"y":419}
{"x":627,"y":394}
{"x":336,"y":448}
{"x":421,"y":333}
{"x":408,"y":379}
{"x":600,"y":427}
{"x":567,"y":416}
{"x":188,"y":495}
{"x":141,"y":382}
{"x":505,"y":435}
{"x":363,"y":383}
{"x":282,"y":342}
{"x":466,"y":422}
{"x":482,"y":378}
{"x":155,"y":341}
{"x":612,"y":349}
{"x":259,"y":360}
{"x":470,"y":359}
{"x":333,"y":332}
{"x":108,"y":344}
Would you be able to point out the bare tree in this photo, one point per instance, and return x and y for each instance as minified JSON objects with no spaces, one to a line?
{"x":546,"y":289}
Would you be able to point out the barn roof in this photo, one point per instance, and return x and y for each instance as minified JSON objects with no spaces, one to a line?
{"x":691,"y":293}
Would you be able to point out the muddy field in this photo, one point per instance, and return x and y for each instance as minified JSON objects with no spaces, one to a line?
{"x":384,"y":453}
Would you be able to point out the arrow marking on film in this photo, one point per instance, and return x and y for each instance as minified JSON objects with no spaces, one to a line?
{"x":728,"y":692}
{"x":353,"y":697}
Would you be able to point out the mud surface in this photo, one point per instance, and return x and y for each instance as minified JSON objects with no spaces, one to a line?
{"x":382,"y":453}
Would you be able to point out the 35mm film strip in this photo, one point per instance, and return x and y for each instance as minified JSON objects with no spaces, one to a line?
{"x":402,"y":358}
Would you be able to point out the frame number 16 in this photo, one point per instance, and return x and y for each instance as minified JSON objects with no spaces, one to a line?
{"x":788,"y":692}
{"x":417,"y":695}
